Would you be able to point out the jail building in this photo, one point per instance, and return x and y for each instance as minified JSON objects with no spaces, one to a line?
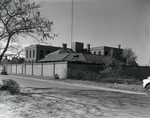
{"x":33,"y":53}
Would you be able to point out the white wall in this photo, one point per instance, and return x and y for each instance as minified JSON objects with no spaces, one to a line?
{"x":19,"y":69}
{"x":48,"y":69}
{"x":37,"y":69}
{"x":61,"y":69}
{"x":14,"y":68}
{"x":8,"y":68}
{"x":29,"y":69}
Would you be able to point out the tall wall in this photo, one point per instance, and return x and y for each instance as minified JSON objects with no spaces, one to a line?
{"x":39,"y":69}
{"x":85,"y":66}
{"x":139,"y":72}
{"x":60,"y":68}
{"x":48,"y":69}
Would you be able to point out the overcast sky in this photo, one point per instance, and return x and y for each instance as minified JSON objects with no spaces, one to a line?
{"x":102,"y":23}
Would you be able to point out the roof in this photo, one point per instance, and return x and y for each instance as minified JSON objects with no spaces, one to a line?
{"x":42,"y":46}
{"x":78,"y":57}
{"x":102,"y":47}
{"x":69,"y":55}
{"x":89,"y":58}
{"x":61,"y":51}
{"x":75,"y":57}
{"x":54,"y":58}
{"x":94,"y":58}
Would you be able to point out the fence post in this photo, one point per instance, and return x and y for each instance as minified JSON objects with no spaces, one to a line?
{"x":11,"y":68}
{"x":22,"y":69}
{"x":25,"y":68}
{"x":41,"y":69}
{"x":54,"y":70}
{"x":137,"y":76}
{"x":32,"y":67}
{"x":16,"y":68}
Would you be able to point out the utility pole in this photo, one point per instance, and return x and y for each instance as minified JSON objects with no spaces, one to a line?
{"x":72,"y":24}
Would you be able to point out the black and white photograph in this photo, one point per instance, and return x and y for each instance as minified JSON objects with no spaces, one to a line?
{"x":74,"y":59}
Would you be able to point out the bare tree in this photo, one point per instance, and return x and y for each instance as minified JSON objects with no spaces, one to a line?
{"x":108,"y":60}
{"x":16,"y":50}
{"x":130,"y":56}
{"x":110,"y":70}
{"x":22,"y":18}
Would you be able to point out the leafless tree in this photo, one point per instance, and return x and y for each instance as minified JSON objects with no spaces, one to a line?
{"x":22,"y":18}
{"x":129,"y":55}
{"x":108,"y":60}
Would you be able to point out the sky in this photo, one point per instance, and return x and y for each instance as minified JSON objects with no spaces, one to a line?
{"x":101,"y":23}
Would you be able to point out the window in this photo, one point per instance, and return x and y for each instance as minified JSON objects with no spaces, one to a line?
{"x":106,"y":53}
{"x":99,"y":52}
{"x":114,"y":53}
{"x":41,"y":54}
{"x":30,"y":53}
{"x":33,"y":53}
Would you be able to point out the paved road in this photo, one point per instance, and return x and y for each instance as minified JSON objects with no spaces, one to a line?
{"x":90,"y":102}
{"x":39,"y":83}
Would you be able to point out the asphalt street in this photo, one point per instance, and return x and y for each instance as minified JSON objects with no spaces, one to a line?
{"x":92,"y":102}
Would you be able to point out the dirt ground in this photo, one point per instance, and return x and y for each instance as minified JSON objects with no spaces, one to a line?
{"x":56,"y":103}
{"x":68,"y":103}
{"x":31,"y":103}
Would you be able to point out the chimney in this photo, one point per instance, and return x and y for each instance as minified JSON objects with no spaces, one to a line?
{"x":77,"y":47}
{"x":64,"y":45}
{"x":88,"y":48}
{"x":119,"y":46}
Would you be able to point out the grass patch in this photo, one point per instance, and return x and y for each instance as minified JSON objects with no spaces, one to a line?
{"x":112,"y":80}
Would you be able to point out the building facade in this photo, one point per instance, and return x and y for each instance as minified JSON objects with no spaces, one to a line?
{"x":105,"y":50}
{"x":78,"y":47}
{"x":33,"y":53}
